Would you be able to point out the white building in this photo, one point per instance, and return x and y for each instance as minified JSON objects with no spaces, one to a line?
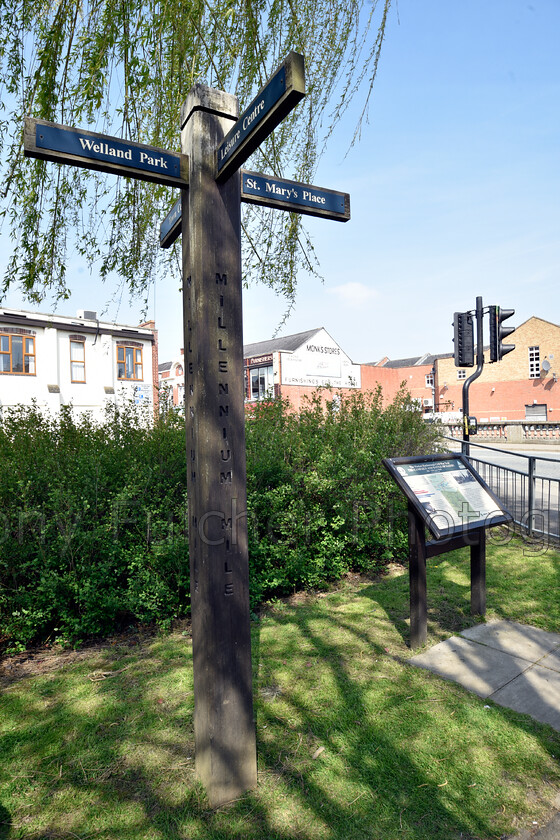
{"x":58,"y":360}
{"x":292,"y":366}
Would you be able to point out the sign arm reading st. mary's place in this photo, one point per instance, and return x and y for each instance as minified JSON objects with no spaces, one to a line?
{"x":294,"y":196}
{"x":279,"y":193}
{"x":215,"y":142}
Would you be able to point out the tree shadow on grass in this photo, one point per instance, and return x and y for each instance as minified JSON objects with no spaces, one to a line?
{"x":5,"y":823}
{"x":381,"y":759}
{"x":448,"y":599}
{"x":338,"y":758}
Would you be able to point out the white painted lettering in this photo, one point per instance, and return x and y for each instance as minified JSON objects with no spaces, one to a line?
{"x":250,"y":118}
{"x":230,"y":145}
{"x":152,"y":161}
{"x":89,"y":145}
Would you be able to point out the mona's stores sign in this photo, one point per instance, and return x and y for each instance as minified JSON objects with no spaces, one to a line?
{"x":319,"y":362}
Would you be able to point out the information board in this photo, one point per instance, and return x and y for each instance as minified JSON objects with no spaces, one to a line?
{"x":448,"y":494}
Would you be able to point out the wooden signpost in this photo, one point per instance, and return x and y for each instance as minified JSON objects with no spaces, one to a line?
{"x":215,"y":142}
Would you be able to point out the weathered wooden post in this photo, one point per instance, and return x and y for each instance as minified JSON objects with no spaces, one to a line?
{"x":216,"y":473}
{"x":417,"y":578}
{"x":214,"y":143}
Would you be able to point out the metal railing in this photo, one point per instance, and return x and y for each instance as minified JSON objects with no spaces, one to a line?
{"x":532,"y":499}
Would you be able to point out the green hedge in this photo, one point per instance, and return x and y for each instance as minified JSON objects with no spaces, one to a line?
{"x":91,"y":523}
{"x":320,"y":501}
{"x":93,"y":515}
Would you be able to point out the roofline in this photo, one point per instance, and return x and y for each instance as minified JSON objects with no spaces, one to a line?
{"x":537,"y":318}
{"x":76,"y":325}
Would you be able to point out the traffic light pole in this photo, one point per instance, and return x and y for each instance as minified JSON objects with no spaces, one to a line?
{"x":475,"y":375}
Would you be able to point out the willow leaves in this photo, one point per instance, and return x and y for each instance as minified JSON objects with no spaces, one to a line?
{"x":123,"y":67}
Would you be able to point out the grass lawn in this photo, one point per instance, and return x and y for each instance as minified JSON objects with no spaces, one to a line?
{"x":353,"y":742}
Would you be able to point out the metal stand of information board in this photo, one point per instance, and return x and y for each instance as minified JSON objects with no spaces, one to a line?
{"x":420,"y":550}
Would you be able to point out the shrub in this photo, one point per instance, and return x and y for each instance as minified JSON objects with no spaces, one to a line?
{"x":320,"y":500}
{"x":93,"y":515}
{"x":91,"y":523}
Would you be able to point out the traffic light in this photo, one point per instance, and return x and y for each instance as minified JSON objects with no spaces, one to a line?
{"x":463,"y":338}
{"x":498,"y":333}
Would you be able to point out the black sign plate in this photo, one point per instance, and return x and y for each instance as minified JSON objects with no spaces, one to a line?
{"x":78,"y":147}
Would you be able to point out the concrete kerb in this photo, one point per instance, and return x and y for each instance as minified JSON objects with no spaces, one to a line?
{"x":512,"y":664}
{"x":550,"y":831}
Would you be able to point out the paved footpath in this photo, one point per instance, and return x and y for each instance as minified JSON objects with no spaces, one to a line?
{"x":512,"y":664}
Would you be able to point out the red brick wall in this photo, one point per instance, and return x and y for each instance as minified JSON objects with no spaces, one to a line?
{"x":508,"y":400}
{"x":392,"y":379}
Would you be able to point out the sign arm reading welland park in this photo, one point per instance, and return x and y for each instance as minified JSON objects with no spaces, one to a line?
{"x":215,"y":142}
{"x":78,"y":147}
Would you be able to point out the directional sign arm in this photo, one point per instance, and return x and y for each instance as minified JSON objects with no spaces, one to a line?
{"x":86,"y":149}
{"x":294,"y":196}
{"x":170,"y":228}
{"x":278,"y":193}
{"x":281,"y":93}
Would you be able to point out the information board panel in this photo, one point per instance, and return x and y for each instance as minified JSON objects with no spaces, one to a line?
{"x":447,"y":493}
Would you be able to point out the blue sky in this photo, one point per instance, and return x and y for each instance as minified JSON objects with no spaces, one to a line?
{"x":455,"y":191}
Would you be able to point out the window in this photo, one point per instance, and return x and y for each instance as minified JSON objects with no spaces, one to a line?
{"x":461,"y":374}
{"x":534,"y":363}
{"x":262,"y":383}
{"x":17,"y":354}
{"x":129,"y":362}
{"x":77,"y":360}
{"x":537,"y":411}
{"x":429,"y":380}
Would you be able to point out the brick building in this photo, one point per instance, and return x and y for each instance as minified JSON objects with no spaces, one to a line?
{"x":416,"y":374}
{"x":523,"y":386}
{"x":172,"y":382}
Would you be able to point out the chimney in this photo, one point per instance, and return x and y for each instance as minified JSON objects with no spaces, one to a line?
{"x":151,"y":325}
